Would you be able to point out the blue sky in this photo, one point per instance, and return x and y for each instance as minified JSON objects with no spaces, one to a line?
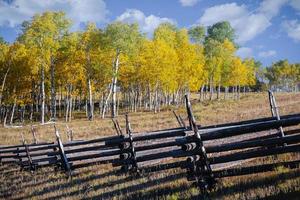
{"x":267,"y":30}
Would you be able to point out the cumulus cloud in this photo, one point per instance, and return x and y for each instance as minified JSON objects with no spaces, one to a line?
{"x":247,"y":24}
{"x":271,"y":8}
{"x":265,"y":54}
{"x":244,"y":52}
{"x":17,"y":11}
{"x":292,"y":27}
{"x":188,"y":2}
{"x":147,"y":23}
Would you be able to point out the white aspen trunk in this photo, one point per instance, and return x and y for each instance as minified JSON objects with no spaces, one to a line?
{"x":33,"y":100}
{"x":118,"y":104}
{"x":114,"y":85}
{"x":233,"y":92}
{"x":106,"y":102}
{"x":140,"y":98}
{"x":80,"y":101}
{"x":225,"y":93}
{"x":211,"y":88}
{"x":86,"y":108}
{"x":205,"y":91}
{"x":5,"y":117}
{"x":201,"y":93}
{"x":155,"y":100}
{"x":90,"y":103}
{"x":149,"y":97}
{"x":3,"y":84}
{"x":13,"y":112}
{"x":70,"y":107}
{"x":67,"y":110}
{"x":22,"y":114}
{"x":219,"y":91}
{"x":176,"y":97}
{"x":59,"y":102}
{"x":43,"y":94}
{"x":112,"y":91}
{"x":67,"y":105}
{"x":31,"y":113}
{"x":53,"y":93}
{"x":158,"y":101}
{"x":136,"y":96}
{"x":169,"y":99}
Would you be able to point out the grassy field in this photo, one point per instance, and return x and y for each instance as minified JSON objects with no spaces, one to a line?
{"x":101,"y":182}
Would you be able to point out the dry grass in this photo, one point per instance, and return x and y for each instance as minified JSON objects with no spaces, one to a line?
{"x":101,"y":182}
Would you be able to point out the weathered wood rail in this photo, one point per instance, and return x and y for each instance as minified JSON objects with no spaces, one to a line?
{"x":187,"y":147}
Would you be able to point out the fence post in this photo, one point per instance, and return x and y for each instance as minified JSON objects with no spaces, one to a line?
{"x":182,"y":122}
{"x":20,"y":159}
{"x":131,"y":146}
{"x":63,"y":157}
{"x":275,"y":111}
{"x":117,"y":126}
{"x":201,"y":168}
{"x":30,"y":163}
{"x":179,"y":120}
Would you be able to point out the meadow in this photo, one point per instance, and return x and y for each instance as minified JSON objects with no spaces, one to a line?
{"x":102,"y":182}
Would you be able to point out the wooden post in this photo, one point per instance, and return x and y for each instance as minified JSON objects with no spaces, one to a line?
{"x":30,"y":163}
{"x":179,"y":120}
{"x":117,"y":126}
{"x":132,"y":150}
{"x":182,"y":122}
{"x":19,"y":158}
{"x":275,"y":111}
{"x":63,"y":157}
{"x":200,"y":162}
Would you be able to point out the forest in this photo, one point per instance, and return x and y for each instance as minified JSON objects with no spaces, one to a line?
{"x":50,"y":71}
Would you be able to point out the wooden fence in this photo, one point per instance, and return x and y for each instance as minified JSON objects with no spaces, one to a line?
{"x":207,"y":153}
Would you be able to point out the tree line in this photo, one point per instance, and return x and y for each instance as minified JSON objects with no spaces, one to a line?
{"x":50,"y":72}
{"x":283,"y":76}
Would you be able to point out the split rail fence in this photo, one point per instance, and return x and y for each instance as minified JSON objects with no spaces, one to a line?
{"x":204,"y":151}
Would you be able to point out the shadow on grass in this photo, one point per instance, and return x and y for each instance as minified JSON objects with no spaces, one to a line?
{"x":295,"y":195}
{"x":136,"y":190}
{"x":21,"y":180}
{"x":138,"y":187}
{"x":65,"y":185}
{"x":254,"y":183}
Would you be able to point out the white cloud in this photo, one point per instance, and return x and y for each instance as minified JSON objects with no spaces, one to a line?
{"x":271,"y":8}
{"x":265,"y":54}
{"x":147,"y":23}
{"x":188,"y":2}
{"x":247,"y":24}
{"x":244,"y":52}
{"x":79,"y":11}
{"x":292,"y":27}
